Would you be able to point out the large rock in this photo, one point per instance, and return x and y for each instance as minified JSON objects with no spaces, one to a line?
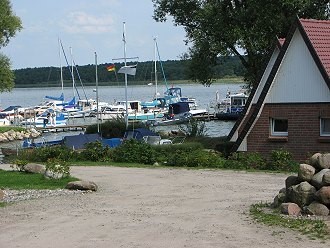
{"x":301,"y":194}
{"x":306,"y":172}
{"x":291,"y":181}
{"x":316,"y":208}
{"x":290,"y":209}
{"x":35,"y":168}
{"x":279,"y":199}
{"x":320,"y":161}
{"x":317,"y":179}
{"x":82,"y":185}
{"x":314,"y":160}
{"x":323,"y":195}
{"x":326,"y":179}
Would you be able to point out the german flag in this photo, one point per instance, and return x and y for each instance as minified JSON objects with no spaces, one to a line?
{"x":111,"y":68}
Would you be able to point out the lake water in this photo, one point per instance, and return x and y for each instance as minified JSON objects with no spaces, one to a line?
{"x":204,"y":95}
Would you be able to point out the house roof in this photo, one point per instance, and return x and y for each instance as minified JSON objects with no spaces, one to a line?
{"x":316,"y":35}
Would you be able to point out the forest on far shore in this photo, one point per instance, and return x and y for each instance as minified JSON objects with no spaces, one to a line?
{"x":174,"y":70}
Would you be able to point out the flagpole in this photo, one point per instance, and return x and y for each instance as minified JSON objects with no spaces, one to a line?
{"x":125,"y":63}
{"x":97,"y":95}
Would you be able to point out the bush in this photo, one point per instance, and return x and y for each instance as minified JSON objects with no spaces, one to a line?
{"x":58,"y":168}
{"x":95,"y":151}
{"x":112,"y":128}
{"x":194,"y":128}
{"x":282,"y":160}
{"x":134,"y":151}
{"x":246,"y":161}
{"x":224,"y":147}
{"x":42,"y":154}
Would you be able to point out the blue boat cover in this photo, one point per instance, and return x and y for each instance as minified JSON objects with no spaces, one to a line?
{"x":139,"y":133}
{"x":79,"y":141}
{"x":60,"y":98}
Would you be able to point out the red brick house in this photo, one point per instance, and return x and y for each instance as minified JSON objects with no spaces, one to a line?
{"x":290,"y":108}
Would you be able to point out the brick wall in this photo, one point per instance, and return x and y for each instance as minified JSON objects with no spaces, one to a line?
{"x":303,"y":130}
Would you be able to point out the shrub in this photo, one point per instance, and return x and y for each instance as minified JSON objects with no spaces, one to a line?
{"x":19,"y":164}
{"x":42,"y":154}
{"x":57,"y":167}
{"x":95,"y":151}
{"x":245,"y":161}
{"x":224,"y":147}
{"x":114,"y":128}
{"x":196,"y":158}
{"x":282,"y":160}
{"x":194,"y":128}
{"x":134,"y":151}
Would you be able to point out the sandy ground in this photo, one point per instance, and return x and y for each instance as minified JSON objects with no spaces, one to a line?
{"x":152,"y":208}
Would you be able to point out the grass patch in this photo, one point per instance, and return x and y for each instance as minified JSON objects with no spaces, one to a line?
{"x":22,"y":180}
{"x":314,"y":229}
{"x":16,"y":129}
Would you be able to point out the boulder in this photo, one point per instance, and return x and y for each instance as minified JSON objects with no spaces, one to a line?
{"x":292,"y":180}
{"x":279,"y":199}
{"x":326,"y":179}
{"x":317,"y":179}
{"x":82,"y":185}
{"x":320,"y":161}
{"x":34,"y":168}
{"x":306,"y":172}
{"x":314,"y":160}
{"x":316,"y":208}
{"x":290,"y":208}
{"x":324,"y":161}
{"x":301,"y":194}
{"x":323,"y":195}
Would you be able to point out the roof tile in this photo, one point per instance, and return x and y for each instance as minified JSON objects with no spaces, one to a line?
{"x":318,"y":32}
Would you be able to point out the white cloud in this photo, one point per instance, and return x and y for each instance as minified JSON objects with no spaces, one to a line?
{"x":81,"y":22}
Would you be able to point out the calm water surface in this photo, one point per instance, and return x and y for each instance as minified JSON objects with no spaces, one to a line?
{"x":204,"y":95}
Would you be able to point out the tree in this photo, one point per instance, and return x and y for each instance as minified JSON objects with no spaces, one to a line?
{"x":227,"y":27}
{"x":9,"y":25}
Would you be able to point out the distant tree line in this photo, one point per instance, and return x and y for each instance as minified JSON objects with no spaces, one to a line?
{"x":86,"y":74}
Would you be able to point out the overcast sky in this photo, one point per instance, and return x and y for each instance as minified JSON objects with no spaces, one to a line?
{"x":87,"y":27}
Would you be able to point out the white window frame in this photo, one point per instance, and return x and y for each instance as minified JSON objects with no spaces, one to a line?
{"x":273,"y":132}
{"x":322,"y":126}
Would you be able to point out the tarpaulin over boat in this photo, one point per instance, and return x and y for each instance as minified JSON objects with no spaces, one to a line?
{"x":139,"y":133}
{"x":60,"y":98}
{"x":79,"y":141}
{"x":179,"y":107}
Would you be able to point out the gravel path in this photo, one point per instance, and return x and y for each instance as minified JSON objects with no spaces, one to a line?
{"x":151,"y":208}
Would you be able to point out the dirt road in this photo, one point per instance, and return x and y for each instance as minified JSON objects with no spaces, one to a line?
{"x":151,"y":208}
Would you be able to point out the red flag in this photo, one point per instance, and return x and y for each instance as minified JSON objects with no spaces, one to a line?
{"x":111,"y":68}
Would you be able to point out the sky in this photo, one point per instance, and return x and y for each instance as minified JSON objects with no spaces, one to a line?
{"x":87,"y":27}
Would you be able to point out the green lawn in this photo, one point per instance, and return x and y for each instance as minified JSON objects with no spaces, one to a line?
{"x":23,"y":180}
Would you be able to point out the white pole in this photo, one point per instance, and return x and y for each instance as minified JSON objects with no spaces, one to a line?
{"x":72,"y":73}
{"x":156,"y":83}
{"x":97,"y":95}
{"x":125,"y":63}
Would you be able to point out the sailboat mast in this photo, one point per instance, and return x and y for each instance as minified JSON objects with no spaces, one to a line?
{"x":61,"y":69}
{"x":72,"y":73}
{"x":125,"y":63}
{"x":97,"y":95}
{"x":155,"y":61}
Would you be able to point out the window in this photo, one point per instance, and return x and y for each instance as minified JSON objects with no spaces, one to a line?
{"x":325,"y":127}
{"x":279,"y":127}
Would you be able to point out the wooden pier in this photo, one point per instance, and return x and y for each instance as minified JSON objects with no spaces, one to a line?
{"x":66,"y":128}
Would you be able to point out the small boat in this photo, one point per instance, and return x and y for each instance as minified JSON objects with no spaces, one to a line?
{"x":50,"y":118}
{"x":231,"y":107}
{"x":178,"y":113}
{"x":4,"y":120}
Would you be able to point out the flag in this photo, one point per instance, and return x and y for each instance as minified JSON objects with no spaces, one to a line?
{"x":111,"y":68}
{"x":130,"y":70}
